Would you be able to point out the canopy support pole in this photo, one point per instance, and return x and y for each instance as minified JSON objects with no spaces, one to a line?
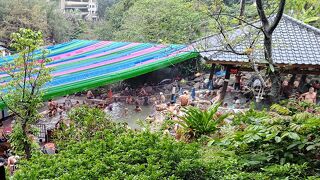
{"x":212,"y":69}
{"x":292,"y":79}
{"x":302,"y":81}
{"x":226,"y":82}
{"x":2,"y":118}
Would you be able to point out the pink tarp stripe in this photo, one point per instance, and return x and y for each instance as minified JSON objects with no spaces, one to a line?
{"x":185,"y":50}
{"x":92,"y":56}
{"x":136,"y":54}
{"x":188,"y":49}
{"x":95,"y":55}
{"x":171,"y":55}
{"x":80,"y":51}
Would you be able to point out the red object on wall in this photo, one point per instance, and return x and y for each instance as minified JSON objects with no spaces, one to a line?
{"x":234,"y":71}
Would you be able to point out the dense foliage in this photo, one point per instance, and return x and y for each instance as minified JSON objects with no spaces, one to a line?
{"x":112,"y":151}
{"x":134,"y":20}
{"x":306,"y":11}
{"x":170,"y":21}
{"x":44,"y":16}
{"x":256,"y":145}
{"x":287,"y":145}
{"x":103,"y":5}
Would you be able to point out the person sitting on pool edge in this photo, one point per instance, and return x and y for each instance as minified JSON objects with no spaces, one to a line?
{"x":162,"y":98}
{"x":52,"y":106}
{"x":310,"y":97}
{"x":90,"y":95}
{"x":184,"y":99}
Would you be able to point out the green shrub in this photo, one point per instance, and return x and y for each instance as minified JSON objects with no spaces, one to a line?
{"x":286,"y":171}
{"x":280,"y":109}
{"x":267,"y":146}
{"x":202,"y":122}
{"x":85,"y":123}
{"x":127,"y":155}
{"x":275,"y":140}
{"x":249,"y":117}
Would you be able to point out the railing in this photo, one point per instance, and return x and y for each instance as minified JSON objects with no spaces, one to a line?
{"x":43,"y":132}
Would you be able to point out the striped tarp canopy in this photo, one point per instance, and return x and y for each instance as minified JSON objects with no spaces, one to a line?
{"x":84,"y":64}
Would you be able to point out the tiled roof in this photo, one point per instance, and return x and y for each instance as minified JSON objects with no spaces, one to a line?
{"x":294,"y":42}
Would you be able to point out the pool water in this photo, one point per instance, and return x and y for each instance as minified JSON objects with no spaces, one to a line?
{"x":118,"y":114}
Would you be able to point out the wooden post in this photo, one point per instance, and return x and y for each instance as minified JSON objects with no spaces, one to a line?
{"x":213,"y":67}
{"x":292,"y":79}
{"x":226,"y":82}
{"x":302,"y":81}
{"x":2,"y":118}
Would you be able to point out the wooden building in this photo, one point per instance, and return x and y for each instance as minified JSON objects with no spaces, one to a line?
{"x":295,"y":49}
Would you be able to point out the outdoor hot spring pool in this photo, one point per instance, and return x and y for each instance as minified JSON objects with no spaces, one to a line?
{"x":118,"y":114}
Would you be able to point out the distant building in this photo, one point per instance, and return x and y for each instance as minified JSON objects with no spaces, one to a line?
{"x":87,"y":8}
{"x":4,"y":51}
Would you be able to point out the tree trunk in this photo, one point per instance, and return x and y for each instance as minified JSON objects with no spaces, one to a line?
{"x":274,"y":74}
{"x":242,"y":9}
{"x":276,"y":86}
{"x":268,"y":29}
{"x":268,"y":48}
{"x":26,"y":144}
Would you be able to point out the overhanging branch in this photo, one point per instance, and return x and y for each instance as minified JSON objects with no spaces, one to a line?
{"x":278,"y":16}
{"x":239,"y":19}
{"x":262,"y":14}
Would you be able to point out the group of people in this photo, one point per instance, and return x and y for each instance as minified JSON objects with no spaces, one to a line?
{"x":54,"y":108}
{"x":145,"y":96}
{"x":306,"y":92}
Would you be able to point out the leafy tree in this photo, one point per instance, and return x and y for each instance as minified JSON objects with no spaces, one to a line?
{"x":24,"y":79}
{"x":59,"y":26}
{"x":114,"y":19}
{"x":55,"y":25}
{"x":103,"y":5}
{"x":168,"y":21}
{"x":306,"y":11}
{"x":21,"y":14}
{"x":85,"y":123}
{"x":65,"y":26}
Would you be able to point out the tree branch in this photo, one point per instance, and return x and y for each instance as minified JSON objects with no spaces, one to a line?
{"x":226,"y":39}
{"x":12,"y":76}
{"x":278,"y":17}
{"x":262,"y":14}
{"x":242,"y":9}
{"x":25,"y":58}
{"x":255,"y":40}
{"x":239,"y":19}
{"x":14,"y":112}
